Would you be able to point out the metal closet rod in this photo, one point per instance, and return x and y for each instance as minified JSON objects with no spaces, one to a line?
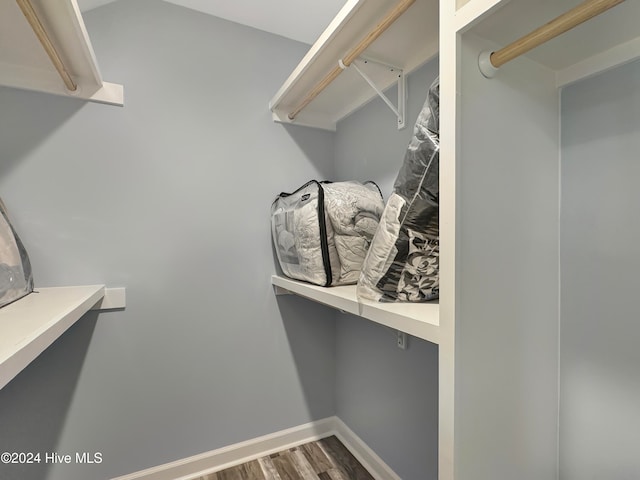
{"x":559,"y":25}
{"x":355,"y":52}
{"x":32,"y":17}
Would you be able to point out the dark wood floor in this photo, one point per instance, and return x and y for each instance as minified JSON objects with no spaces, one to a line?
{"x":326,"y":459}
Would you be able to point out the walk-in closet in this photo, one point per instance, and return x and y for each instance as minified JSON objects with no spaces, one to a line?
{"x":142,"y":146}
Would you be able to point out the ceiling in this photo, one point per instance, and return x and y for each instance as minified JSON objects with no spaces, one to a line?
{"x":303,"y":20}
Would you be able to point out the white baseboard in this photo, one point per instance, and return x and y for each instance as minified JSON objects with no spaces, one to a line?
{"x":365,"y":455}
{"x":242,"y":452}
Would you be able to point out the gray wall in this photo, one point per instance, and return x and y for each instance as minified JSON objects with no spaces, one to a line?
{"x":600,"y":232}
{"x":168,"y":196}
{"x":507,"y":252}
{"x":388,"y":396}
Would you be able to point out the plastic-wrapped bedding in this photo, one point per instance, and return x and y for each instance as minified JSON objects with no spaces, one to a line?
{"x":322,"y":231}
{"x":16,"y":279}
{"x":402,"y":261}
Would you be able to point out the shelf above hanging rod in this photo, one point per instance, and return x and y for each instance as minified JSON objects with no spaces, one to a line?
{"x":50,"y":51}
{"x":32,"y":17}
{"x":407,"y":44}
{"x":354,"y":53}
{"x":490,"y":62}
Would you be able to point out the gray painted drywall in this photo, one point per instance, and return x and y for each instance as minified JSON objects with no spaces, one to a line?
{"x":169,"y":197}
{"x":507,"y":254}
{"x":600,"y":260}
{"x":388,"y":396}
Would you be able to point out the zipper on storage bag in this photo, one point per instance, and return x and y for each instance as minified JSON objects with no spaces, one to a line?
{"x":324,"y":246}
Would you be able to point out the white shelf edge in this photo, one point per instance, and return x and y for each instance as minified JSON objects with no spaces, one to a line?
{"x":474,"y":11}
{"x":614,"y":57}
{"x":343,"y":16}
{"x":417,"y":319}
{"x":45,"y":81}
{"x":114,"y":298}
{"x":29,"y":325}
{"x":304,"y":119}
{"x":108,"y":94}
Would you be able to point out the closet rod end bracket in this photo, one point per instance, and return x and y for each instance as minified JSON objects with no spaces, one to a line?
{"x":486,"y":67}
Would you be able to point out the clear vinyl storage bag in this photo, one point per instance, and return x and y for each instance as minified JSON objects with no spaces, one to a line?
{"x":16,"y":279}
{"x":402,"y":263}
{"x":322,"y":231}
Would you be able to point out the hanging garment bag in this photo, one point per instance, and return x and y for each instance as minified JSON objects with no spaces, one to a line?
{"x":402,"y":264}
{"x":16,"y":279}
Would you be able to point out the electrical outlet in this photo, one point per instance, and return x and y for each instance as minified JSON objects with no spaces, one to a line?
{"x":402,"y":340}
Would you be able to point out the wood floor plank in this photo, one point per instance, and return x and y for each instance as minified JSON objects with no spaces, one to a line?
{"x":252,"y":471}
{"x":336,"y":474}
{"x":268,"y":469}
{"x":344,"y":459}
{"x":285,"y":467}
{"x":303,"y":467}
{"x":316,"y":457}
{"x":327,"y":454}
{"x":326,"y":459}
{"x":233,"y":473}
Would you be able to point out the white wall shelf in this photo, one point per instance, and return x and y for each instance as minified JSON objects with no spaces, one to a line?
{"x":25,"y":65}
{"x":418,"y":319}
{"x":408,"y":43}
{"x":29,"y":325}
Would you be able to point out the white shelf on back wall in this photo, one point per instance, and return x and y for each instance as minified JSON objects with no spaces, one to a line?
{"x":29,"y":325}
{"x":421,"y":320}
